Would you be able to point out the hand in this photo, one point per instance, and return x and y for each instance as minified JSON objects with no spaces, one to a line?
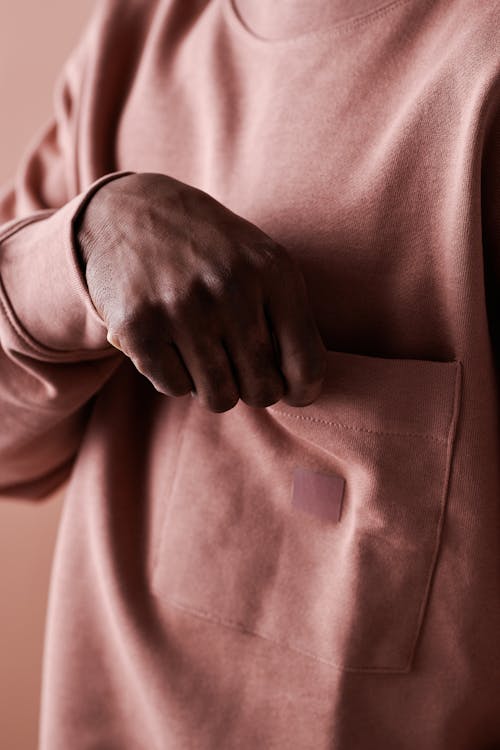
{"x":197,"y":297}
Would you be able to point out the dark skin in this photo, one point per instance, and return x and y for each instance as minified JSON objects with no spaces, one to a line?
{"x":197,"y":297}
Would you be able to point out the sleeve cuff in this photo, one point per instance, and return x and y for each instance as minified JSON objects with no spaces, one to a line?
{"x":43,"y":286}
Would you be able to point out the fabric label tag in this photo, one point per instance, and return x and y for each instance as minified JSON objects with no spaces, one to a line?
{"x":317,"y":493}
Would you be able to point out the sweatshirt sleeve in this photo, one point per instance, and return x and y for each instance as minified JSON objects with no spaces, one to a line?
{"x":54,"y":355}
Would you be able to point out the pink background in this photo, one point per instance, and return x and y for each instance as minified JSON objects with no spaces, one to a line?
{"x":35,"y":39}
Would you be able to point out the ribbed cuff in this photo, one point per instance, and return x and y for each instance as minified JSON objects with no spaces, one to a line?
{"x":44,"y":289}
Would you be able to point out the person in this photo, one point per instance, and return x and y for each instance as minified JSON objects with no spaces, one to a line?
{"x":250,"y":314}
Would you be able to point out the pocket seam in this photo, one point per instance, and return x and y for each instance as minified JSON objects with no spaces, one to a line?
{"x":290,"y":645}
{"x":357,"y":428}
{"x":451,"y":440}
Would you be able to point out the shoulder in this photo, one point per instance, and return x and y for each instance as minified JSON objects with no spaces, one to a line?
{"x":460,"y":51}
{"x":126,"y":27}
{"x":471,"y":26}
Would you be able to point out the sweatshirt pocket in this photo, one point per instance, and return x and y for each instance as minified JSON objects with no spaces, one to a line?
{"x":317,"y":527}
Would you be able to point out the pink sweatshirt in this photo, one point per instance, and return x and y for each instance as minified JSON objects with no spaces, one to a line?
{"x":284,"y":578}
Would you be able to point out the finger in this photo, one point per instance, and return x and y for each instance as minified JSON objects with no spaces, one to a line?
{"x":168,"y":372}
{"x":252,"y":354}
{"x":164,"y":368}
{"x":301,"y":352}
{"x":211,"y":372}
{"x":149,"y":346}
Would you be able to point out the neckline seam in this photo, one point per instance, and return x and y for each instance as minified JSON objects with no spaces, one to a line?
{"x":335,"y":29}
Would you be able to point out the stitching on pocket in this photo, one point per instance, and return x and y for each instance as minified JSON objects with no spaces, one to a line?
{"x":234,"y":625}
{"x":451,"y":438}
{"x":426,"y":435}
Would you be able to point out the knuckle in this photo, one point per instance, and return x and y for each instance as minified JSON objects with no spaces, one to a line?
{"x":122,"y":326}
{"x":218,"y":284}
{"x":192,"y":303}
{"x":243,"y":275}
{"x":181,"y":303}
{"x":277,"y":259}
{"x":136,"y":323}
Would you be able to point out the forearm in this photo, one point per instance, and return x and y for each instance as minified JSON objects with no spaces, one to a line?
{"x":54,"y":355}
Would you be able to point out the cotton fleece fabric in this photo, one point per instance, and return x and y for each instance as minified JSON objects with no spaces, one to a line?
{"x":204,"y":593}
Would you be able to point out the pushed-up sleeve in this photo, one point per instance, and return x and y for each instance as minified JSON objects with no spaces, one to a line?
{"x":54,"y":355}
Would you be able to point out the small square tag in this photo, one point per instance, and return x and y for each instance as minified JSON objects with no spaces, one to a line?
{"x":318,"y":494}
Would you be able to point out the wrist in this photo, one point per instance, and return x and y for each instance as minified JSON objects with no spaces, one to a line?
{"x":86,"y":219}
{"x":81,"y":241}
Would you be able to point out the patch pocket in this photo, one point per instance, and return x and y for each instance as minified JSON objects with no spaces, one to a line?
{"x":317,"y":527}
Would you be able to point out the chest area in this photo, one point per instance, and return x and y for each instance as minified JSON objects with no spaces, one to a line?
{"x":337,"y":163}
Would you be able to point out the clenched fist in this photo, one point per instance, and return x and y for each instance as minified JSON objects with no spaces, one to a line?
{"x":197,"y":297}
